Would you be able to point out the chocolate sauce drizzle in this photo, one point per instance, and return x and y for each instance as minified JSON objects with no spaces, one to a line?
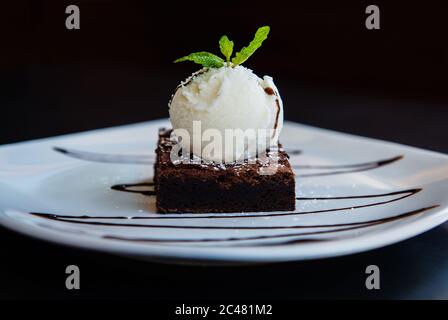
{"x":277,"y":102}
{"x":350,"y":226}
{"x":343,"y":169}
{"x":329,"y":228}
{"x":79,"y":218}
{"x":340,"y":228}
{"x":106,"y":158}
{"x":135,"y":188}
{"x":269,"y":91}
{"x":147,"y":159}
{"x":147,"y":189}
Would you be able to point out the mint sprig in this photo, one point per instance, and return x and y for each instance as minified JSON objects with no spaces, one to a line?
{"x":207,"y":59}
{"x":246,"y":52}
{"x":210,"y":60}
{"x":226,"y":47}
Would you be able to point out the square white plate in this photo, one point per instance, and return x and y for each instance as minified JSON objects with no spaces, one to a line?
{"x":93,"y":190}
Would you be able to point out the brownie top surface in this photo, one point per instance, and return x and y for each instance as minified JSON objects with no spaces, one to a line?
{"x":276,"y":160}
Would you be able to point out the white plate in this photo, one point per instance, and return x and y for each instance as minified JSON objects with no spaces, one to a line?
{"x":355,"y":194}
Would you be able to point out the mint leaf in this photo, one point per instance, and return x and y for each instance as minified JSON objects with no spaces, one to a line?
{"x":246,"y":52}
{"x":210,"y":60}
{"x":226,"y":47}
{"x":206,"y":59}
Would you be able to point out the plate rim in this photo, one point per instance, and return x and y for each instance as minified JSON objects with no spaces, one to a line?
{"x":343,"y":246}
{"x":363,"y":243}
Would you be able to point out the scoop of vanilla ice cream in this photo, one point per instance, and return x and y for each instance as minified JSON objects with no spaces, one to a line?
{"x":227,"y":98}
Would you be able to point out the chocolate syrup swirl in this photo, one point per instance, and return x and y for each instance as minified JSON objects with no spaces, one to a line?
{"x":147,"y":159}
{"x":135,"y":188}
{"x":340,"y":228}
{"x":106,"y":158}
{"x":334,"y":228}
{"x":277,"y":102}
{"x":293,"y":152}
{"x":401,"y":195}
{"x":343,"y":169}
{"x":119,"y":158}
{"x":147,"y":189}
{"x":350,"y":226}
{"x":269,"y":91}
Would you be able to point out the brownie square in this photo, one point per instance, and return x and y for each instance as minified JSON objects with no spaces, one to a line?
{"x":197,"y":188}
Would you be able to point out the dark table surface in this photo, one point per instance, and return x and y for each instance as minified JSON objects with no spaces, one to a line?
{"x":415,"y":268}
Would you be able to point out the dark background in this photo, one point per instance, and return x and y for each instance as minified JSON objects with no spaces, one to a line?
{"x":331,"y":71}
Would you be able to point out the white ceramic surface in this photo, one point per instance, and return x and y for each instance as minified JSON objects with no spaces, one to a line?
{"x":355,"y":194}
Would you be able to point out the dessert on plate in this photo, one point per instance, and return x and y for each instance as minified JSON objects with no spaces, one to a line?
{"x":222,"y":153}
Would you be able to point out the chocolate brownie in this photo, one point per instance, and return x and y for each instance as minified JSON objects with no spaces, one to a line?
{"x":211,"y":187}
